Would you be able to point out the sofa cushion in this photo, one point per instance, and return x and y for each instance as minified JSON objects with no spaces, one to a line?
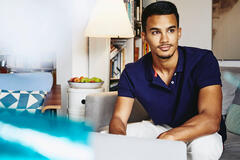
{"x":233,"y":119}
{"x":231,"y":147}
{"x":36,"y":81}
{"x":236,"y":99}
{"x":22,"y":100}
{"x":228,"y":89}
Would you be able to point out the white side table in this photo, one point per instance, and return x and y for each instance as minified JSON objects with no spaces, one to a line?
{"x":76,"y":102}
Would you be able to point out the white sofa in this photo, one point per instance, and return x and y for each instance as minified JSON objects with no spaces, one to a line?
{"x":100,"y":106}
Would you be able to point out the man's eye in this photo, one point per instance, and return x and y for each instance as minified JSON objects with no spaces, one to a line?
{"x":171,"y":30}
{"x":155,"y":32}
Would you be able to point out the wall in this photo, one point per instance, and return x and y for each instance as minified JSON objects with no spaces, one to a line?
{"x":196,"y":22}
{"x":81,"y":13}
{"x":74,"y":60}
{"x":33,"y":29}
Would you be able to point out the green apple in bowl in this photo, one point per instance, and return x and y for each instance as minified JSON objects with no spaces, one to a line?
{"x":95,"y":80}
{"x":85,"y":83}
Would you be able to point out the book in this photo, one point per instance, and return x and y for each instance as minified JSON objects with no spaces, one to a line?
{"x":146,"y":48}
{"x":114,"y":53}
{"x":117,"y":57}
{"x":123,"y":59}
{"x":136,"y":54}
{"x":116,"y":69}
{"x":138,"y":13}
{"x":140,"y":10}
{"x":130,"y":10}
{"x":118,"y":42}
{"x":113,"y":85}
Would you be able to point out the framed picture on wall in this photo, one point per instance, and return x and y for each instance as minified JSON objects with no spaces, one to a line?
{"x":226,"y":24}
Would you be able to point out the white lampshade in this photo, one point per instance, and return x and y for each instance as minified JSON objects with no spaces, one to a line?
{"x":109,"y":19}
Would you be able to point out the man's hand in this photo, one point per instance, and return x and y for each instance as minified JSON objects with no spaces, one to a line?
{"x":166,"y":136}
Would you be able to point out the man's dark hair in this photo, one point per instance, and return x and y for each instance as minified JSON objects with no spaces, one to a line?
{"x":159,"y":8}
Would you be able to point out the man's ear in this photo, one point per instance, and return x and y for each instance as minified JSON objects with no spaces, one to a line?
{"x":179,"y":33}
{"x":143,"y":37}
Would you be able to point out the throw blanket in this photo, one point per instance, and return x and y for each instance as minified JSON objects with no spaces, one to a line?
{"x":27,"y":136}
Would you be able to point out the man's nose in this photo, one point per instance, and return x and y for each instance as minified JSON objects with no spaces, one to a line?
{"x":164,"y":38}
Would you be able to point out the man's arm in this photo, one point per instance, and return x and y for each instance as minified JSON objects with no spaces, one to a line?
{"x":206,"y":122}
{"x":122,"y":111}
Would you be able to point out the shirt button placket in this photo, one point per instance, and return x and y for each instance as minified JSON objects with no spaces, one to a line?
{"x":174,"y":78}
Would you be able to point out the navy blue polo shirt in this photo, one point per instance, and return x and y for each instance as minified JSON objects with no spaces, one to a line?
{"x":175,"y":103}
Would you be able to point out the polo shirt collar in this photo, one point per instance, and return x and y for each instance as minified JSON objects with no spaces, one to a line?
{"x":150,"y":71}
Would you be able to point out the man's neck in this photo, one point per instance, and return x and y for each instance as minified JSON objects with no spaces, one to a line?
{"x":165,"y":66}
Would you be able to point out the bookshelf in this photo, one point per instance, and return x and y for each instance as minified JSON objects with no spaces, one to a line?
{"x":124,"y":51}
{"x":121,"y":53}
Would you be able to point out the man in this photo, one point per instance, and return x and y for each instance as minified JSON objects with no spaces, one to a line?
{"x":179,"y":87}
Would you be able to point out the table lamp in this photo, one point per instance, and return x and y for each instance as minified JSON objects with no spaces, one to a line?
{"x":109,"y":19}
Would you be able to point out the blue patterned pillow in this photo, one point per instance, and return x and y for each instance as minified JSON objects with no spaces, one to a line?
{"x":22,"y":100}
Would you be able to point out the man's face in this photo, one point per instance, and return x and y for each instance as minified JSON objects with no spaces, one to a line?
{"x":162,"y":35}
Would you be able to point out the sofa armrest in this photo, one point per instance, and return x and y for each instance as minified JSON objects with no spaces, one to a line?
{"x":100,"y":107}
{"x":53,"y":99}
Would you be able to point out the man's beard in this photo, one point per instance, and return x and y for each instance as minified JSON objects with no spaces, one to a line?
{"x":166,"y":57}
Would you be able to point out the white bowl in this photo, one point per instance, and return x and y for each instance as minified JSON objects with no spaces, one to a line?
{"x":85,"y":85}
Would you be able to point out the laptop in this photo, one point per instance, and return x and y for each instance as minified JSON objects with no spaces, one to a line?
{"x":118,"y":147}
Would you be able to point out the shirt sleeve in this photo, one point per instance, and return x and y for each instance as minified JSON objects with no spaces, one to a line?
{"x":125,"y":87}
{"x":208,"y":72}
